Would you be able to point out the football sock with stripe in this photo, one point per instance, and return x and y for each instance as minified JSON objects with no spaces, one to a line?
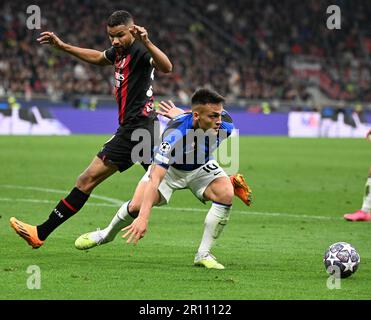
{"x":216,"y":219}
{"x":121,"y":219}
{"x":366,"y":205}
{"x":65,"y":209}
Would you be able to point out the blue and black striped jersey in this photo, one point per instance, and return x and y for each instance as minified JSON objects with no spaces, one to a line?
{"x":187,"y":148}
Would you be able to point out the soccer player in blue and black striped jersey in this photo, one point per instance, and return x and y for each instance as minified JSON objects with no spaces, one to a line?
{"x":134,"y":58}
{"x":182,"y":160}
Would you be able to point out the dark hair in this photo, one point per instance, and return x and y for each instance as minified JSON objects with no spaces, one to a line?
{"x":118,"y":18}
{"x":205,"y":96}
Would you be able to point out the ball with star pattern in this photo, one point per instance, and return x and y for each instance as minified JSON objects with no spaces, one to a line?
{"x":341,"y":258}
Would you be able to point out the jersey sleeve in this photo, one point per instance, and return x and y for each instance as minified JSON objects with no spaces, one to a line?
{"x":227,"y":123}
{"x":144,"y":54}
{"x":147,"y":58}
{"x":172,"y":137}
{"x":110,"y":54}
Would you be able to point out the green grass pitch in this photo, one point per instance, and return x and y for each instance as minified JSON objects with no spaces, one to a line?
{"x":273,"y":250}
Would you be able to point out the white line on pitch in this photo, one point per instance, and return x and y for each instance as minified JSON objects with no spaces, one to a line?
{"x":8,"y":186}
{"x":271,"y":214}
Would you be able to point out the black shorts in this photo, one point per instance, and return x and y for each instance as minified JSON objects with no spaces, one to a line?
{"x":130,"y":145}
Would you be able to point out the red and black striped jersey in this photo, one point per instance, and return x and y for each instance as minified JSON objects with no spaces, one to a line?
{"x":133,"y":84}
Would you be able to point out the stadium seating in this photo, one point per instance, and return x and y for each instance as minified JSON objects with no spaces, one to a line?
{"x":240,"y":48}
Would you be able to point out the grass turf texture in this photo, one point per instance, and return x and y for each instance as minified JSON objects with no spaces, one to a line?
{"x":273,"y":250}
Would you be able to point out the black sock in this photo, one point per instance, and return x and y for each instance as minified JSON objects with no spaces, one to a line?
{"x":133,"y":214}
{"x":65,"y":209}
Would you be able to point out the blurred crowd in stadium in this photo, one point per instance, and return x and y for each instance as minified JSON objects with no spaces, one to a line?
{"x":240,"y":48}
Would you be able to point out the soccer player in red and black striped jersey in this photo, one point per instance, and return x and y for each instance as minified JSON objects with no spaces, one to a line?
{"x":135,"y":58}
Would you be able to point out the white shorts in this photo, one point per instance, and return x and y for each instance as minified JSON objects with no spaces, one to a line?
{"x":196,"y":180}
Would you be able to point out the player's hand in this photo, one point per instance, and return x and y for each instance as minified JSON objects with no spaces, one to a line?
{"x":368,"y":135}
{"x":169,"y":109}
{"x":136,"y":230}
{"x":139,"y":33}
{"x":48,"y":37}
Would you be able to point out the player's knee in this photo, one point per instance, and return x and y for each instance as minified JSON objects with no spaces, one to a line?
{"x":225,"y":194}
{"x":134,"y":206}
{"x":85,"y":182}
{"x":229,"y":193}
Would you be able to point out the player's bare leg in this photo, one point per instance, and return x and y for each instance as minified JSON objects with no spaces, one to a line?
{"x":220,"y":192}
{"x":123,"y":217}
{"x":94,"y":174}
{"x":35,"y":236}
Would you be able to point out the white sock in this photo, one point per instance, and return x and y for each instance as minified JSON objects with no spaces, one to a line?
{"x":216,"y":219}
{"x":121,"y":219}
{"x":366,"y":205}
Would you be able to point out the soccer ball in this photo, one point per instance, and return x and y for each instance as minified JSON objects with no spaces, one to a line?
{"x":165,"y":147}
{"x":341,"y":257}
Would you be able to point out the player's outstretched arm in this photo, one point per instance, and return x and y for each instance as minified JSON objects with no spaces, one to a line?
{"x":169,"y":109}
{"x":137,"y":229}
{"x":160,"y":60}
{"x":87,"y":55}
